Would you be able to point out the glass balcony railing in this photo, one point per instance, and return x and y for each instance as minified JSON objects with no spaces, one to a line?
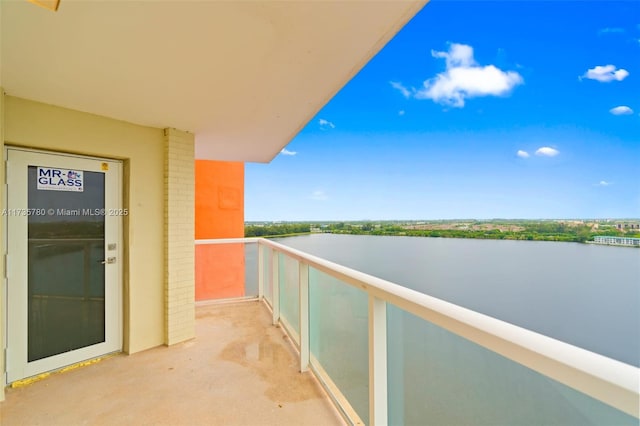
{"x":390,"y":355}
{"x":227,"y":269}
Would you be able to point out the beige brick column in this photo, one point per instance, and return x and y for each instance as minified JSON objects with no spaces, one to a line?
{"x":3,"y":235}
{"x":179,"y":231}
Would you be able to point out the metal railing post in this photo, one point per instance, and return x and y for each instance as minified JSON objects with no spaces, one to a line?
{"x":260,"y":271}
{"x":303,"y":293}
{"x":377,"y":361}
{"x":275,"y":286}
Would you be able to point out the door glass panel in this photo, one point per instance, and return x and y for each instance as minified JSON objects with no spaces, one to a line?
{"x":66,"y":279}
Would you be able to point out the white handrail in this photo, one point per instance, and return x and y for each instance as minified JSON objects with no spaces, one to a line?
{"x":227,"y":241}
{"x":610,"y":381}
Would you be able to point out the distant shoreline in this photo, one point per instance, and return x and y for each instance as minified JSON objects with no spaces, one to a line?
{"x":550,"y":239}
{"x":576,"y":231}
{"x":298,"y":234}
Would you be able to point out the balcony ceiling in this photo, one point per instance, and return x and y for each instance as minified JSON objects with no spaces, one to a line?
{"x":243,"y":76}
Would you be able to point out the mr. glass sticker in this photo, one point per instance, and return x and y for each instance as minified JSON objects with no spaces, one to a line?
{"x":51,"y":179}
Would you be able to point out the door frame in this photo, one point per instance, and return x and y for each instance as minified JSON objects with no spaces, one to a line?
{"x":17,"y":366}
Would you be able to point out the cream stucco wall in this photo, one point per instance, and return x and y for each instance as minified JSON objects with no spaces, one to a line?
{"x":41,"y":126}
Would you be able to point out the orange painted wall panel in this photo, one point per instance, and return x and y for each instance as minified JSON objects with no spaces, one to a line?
{"x":219,"y":197}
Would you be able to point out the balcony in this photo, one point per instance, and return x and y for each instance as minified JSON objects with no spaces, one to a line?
{"x":390,"y":355}
{"x":239,"y":370}
{"x":384,"y":354}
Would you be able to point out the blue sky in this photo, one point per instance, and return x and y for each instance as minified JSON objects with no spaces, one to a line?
{"x":505,"y":109}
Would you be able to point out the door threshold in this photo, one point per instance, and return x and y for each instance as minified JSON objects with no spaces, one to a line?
{"x":29,"y":380}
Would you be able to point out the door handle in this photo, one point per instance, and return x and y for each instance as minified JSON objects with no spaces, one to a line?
{"x":109,"y":260}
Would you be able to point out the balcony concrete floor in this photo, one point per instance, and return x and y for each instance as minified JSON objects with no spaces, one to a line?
{"x":240,"y":370}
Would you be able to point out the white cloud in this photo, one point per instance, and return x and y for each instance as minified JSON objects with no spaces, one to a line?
{"x":398,"y":86}
{"x":459,"y":55}
{"x":610,"y":30}
{"x":325,"y":124}
{"x":621,"y":110}
{"x":285,"y":151}
{"x":603,"y":183}
{"x":401,"y":112}
{"x":319,"y":195}
{"x":547,"y":151}
{"x":605,"y":73}
{"x":522,"y":154}
{"x":464,"y":78}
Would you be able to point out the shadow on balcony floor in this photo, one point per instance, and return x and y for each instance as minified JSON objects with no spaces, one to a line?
{"x":239,"y":370}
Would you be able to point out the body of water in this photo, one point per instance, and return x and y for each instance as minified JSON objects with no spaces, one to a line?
{"x":583,"y":294}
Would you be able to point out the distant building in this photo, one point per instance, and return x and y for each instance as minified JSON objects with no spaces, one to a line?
{"x":622,"y":226}
{"x":617,"y":241}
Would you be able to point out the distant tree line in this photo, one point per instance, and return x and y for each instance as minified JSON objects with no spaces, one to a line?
{"x":531,"y":230}
{"x":279,"y":229}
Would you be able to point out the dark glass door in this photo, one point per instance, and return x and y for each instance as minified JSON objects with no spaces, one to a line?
{"x":66,"y":270}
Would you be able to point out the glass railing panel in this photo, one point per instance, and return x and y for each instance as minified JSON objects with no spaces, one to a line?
{"x":339,"y":339}
{"x":437,"y":377}
{"x":289,"y":292}
{"x":251,"y":269}
{"x":226,"y":270}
